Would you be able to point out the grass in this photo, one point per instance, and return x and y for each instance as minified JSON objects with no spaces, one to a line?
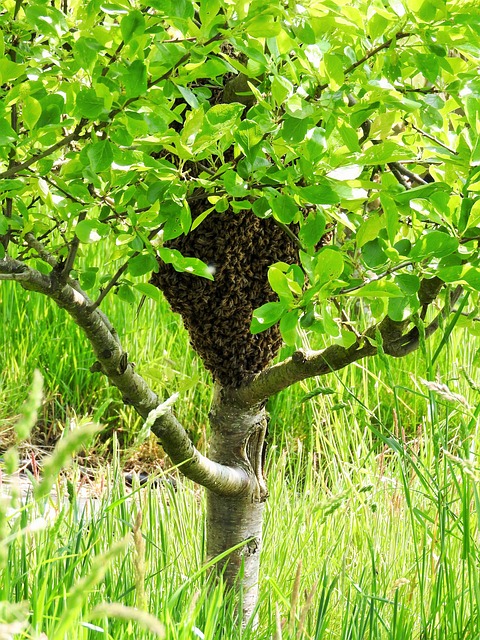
{"x":371,"y":526}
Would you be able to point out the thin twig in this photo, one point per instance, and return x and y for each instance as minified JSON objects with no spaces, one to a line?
{"x":397,"y":267}
{"x":45,"y":255}
{"x":406,"y":172}
{"x":398,"y":175}
{"x":370,"y":54}
{"x":345,"y":320}
{"x":286,"y":229}
{"x":113,"y":59}
{"x":424,"y":90}
{"x":106,"y":290}
{"x":409,"y":342}
{"x":59,"y":188}
{"x":11,"y":171}
{"x":72,"y":254}
{"x":434,"y":139}
{"x":373,"y":52}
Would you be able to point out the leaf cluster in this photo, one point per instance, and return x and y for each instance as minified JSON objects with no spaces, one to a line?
{"x":359,"y":120}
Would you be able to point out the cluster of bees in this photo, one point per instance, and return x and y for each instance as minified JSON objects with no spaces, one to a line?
{"x":238,"y":248}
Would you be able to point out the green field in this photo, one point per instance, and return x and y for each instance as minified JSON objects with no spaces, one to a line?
{"x":373,"y":514}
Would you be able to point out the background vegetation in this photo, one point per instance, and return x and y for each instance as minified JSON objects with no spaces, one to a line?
{"x":372,"y":519}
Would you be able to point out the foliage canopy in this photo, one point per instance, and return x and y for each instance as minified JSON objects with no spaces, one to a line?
{"x":360,"y":119}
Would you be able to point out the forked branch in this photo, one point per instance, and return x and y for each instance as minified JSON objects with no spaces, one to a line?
{"x":397,"y":342}
{"x":112,"y":360}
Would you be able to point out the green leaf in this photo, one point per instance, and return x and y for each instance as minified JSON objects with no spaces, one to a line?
{"x":46,"y":20}
{"x":385,"y":152}
{"x":279,"y":283}
{"x":224,"y":115}
{"x":88,"y":104}
{"x":424,"y":191}
{"x":463,"y":274}
{"x":234,"y":184}
{"x":297,"y":107}
{"x":330,"y":324}
{"x":284,"y":208}
{"x":334,"y":68}
{"x":369,"y":229}
{"x":248,"y":135}
{"x":261,"y":207}
{"x":312,"y":229}
{"x":319,"y":194}
{"x":390,"y":211}
{"x":142,"y":264}
{"x":133,"y":24}
{"x":475,"y":157}
{"x":88,"y":277}
{"x":135,"y":79}
{"x":4,"y":224}
{"x":263,"y":26}
{"x":315,"y":144}
{"x":190,"y":98}
{"x":346,"y":172}
{"x":185,"y":265}
{"x":319,"y":391}
{"x":294,"y":130}
{"x":53,"y":107}
{"x":436,"y":244}
{"x":266,"y":316}
{"x":400,"y":309}
{"x":289,"y":327}
{"x":474,"y":215}
{"x":10,"y":70}
{"x":408,"y":283}
{"x":373,"y":253}
{"x":31,"y":111}
{"x":125,"y":293}
{"x":149,"y":290}
{"x":378,"y":289}
{"x":91,"y":231}
{"x":329,"y":265}
{"x":281,"y":88}
{"x":86,"y":51}
{"x":100,"y":155}
{"x":7,"y":134}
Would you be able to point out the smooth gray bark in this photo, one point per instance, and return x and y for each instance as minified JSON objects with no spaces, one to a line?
{"x":238,"y":434}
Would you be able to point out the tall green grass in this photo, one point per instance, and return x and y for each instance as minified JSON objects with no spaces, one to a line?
{"x":372,"y":524}
{"x":387,"y":549}
{"x":36,"y":334}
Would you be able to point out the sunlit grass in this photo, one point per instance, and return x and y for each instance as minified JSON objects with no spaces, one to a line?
{"x":371,"y":525}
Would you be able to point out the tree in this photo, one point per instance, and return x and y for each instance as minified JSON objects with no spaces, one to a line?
{"x":274,"y":167}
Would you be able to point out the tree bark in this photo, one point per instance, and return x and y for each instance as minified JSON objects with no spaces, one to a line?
{"x":235,"y":522}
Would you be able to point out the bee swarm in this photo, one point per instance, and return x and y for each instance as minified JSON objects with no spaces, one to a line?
{"x":239,"y":248}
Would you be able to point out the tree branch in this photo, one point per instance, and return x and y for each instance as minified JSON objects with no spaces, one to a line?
{"x":112,"y":360}
{"x":11,"y":171}
{"x":373,"y":52}
{"x":309,"y":364}
{"x":398,"y":36}
{"x":384,"y":274}
{"x":434,"y":139}
{"x":120,"y":271}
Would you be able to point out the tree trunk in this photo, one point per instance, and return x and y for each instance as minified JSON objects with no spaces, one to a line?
{"x":237,"y":439}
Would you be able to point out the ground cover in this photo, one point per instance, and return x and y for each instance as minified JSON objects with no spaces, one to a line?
{"x":372,"y":519}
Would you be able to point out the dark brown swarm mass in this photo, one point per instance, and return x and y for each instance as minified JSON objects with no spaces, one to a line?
{"x":239,"y":247}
